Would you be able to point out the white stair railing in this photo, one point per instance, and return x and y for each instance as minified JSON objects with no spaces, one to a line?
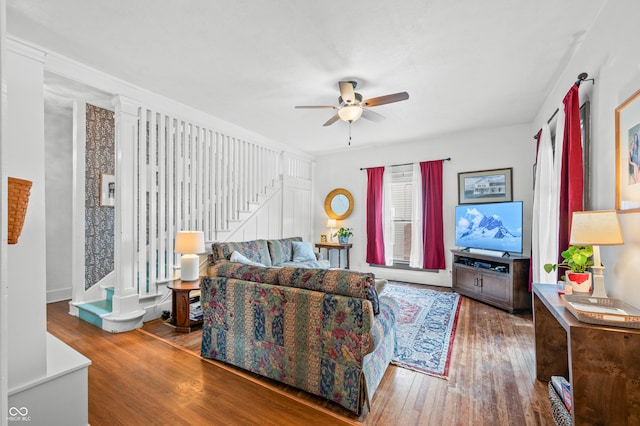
{"x":190,"y":177}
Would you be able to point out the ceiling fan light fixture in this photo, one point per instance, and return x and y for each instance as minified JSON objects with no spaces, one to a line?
{"x":351,"y":106}
{"x":350,"y":113}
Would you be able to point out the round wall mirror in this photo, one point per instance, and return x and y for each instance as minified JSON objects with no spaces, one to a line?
{"x":338,"y":204}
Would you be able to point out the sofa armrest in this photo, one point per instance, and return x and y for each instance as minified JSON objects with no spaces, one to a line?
{"x":336,"y":281}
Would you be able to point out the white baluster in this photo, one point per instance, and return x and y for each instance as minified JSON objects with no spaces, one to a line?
{"x":171,"y":199}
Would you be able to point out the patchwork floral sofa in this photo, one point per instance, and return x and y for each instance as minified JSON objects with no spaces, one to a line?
{"x":283,"y":252}
{"x":319,"y":330}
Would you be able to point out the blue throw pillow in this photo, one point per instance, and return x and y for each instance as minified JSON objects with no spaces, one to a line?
{"x":302,"y":251}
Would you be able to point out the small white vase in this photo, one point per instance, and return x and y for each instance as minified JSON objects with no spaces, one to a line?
{"x":580,"y":281}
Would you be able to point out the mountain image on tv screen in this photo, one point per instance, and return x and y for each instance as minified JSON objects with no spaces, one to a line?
{"x":494,"y":226}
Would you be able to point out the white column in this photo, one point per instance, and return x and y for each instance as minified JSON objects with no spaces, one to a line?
{"x":23,"y":158}
{"x":125,"y":299}
{"x":4,"y":290}
{"x":77,"y":272}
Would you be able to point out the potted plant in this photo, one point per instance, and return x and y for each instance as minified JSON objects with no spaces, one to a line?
{"x":576,"y":259}
{"x":343,"y":235}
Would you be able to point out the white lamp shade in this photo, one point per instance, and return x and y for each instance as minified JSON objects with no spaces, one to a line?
{"x":350,"y":113}
{"x":331,"y":223}
{"x":190,"y":242}
{"x":595,"y":228}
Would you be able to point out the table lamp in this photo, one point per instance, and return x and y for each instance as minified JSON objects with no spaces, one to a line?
{"x":189,"y":244}
{"x":599,"y":228}
{"x":331,"y":224}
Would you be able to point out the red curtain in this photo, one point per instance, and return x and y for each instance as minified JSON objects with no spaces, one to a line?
{"x":571,"y":170}
{"x":432,"y":226}
{"x":375,"y":239}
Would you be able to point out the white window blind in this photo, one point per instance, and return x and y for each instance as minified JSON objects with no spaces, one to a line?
{"x":401,"y":198}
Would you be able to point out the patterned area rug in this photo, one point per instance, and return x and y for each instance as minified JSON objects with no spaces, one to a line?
{"x":426,"y":328}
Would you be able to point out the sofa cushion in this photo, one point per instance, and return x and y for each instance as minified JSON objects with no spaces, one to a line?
{"x":335,"y":281}
{"x":281,"y":250}
{"x":316,"y":264}
{"x":240,"y":258}
{"x":255,"y":251}
{"x":241,"y":271}
{"x":303,"y":251}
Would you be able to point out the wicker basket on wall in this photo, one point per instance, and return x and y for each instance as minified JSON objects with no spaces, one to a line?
{"x":18,"y":194}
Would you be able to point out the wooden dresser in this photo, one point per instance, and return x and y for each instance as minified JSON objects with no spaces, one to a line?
{"x":601,"y":363}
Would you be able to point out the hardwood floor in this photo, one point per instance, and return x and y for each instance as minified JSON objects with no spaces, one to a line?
{"x":136,"y":378}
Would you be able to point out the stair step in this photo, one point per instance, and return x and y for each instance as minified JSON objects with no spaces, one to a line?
{"x":91,"y":312}
{"x":109,"y":291}
{"x":98,"y":307}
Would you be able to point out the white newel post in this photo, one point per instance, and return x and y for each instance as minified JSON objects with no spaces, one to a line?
{"x":126,"y":313}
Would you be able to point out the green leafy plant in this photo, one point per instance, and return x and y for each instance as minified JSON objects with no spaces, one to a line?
{"x":575,"y":258}
{"x":343,"y":232}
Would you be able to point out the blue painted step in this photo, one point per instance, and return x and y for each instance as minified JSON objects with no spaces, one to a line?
{"x":109,"y":291}
{"x":91,"y":311}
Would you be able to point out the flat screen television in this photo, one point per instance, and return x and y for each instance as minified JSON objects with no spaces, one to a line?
{"x":490,"y":226}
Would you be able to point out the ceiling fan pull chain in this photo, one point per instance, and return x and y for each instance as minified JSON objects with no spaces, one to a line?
{"x":350,"y":133}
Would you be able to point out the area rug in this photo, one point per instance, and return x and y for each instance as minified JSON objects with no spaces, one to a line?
{"x":426,"y":328}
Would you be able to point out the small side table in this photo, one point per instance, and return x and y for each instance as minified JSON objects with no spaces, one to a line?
{"x":335,"y":246}
{"x":180,"y":308}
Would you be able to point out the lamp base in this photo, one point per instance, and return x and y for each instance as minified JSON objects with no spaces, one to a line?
{"x":598,"y":283}
{"x":189,"y":267}
{"x":598,"y":271}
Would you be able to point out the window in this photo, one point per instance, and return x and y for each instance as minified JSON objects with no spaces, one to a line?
{"x":390,"y":244}
{"x":401,"y":200}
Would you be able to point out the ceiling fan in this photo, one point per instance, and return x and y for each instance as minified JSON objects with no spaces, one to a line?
{"x":351,"y":106}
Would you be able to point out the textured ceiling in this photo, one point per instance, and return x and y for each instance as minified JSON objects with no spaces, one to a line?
{"x":466,"y":64}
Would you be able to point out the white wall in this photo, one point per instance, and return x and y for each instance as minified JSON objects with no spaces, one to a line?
{"x":26,"y":260}
{"x":610,"y":54}
{"x":479,"y":150}
{"x":58,"y":131}
{"x":297,"y":212}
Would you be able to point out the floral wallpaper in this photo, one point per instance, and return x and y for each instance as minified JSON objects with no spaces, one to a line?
{"x":99,"y":220}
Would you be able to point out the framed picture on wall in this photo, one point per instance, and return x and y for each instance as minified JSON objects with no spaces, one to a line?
{"x":107,"y":190}
{"x":627,"y":160}
{"x":485,"y":186}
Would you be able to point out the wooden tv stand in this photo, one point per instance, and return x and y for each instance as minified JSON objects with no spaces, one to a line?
{"x":499,"y":281}
{"x":601,"y":363}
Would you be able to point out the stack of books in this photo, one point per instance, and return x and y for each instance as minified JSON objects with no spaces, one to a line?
{"x":195,"y":310}
{"x":563,"y":389}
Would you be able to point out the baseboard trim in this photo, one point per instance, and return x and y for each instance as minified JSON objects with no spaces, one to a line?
{"x":58,"y":295}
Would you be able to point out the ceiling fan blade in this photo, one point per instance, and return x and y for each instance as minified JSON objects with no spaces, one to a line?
{"x":372,"y":115}
{"x":315,"y":106}
{"x":346,"y":91}
{"x":387,"y":99}
{"x":331,"y":120}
